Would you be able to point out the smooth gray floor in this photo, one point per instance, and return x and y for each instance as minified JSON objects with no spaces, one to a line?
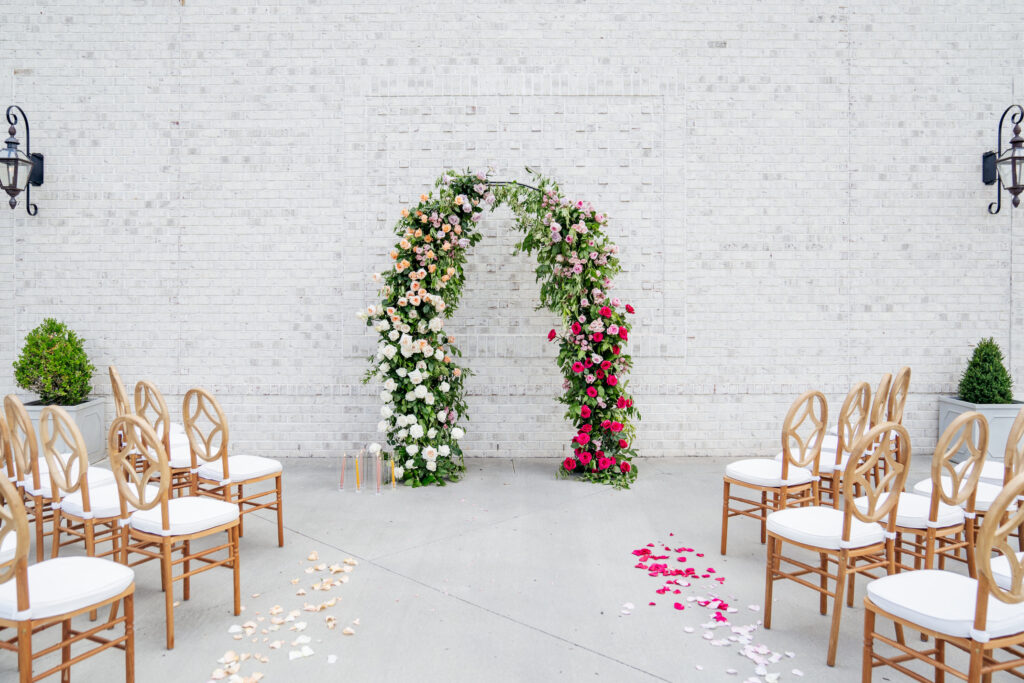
{"x":509,"y":575}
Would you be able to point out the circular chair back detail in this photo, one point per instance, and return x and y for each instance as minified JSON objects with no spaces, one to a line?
{"x":1013,"y":459}
{"x":897,"y":399}
{"x":24,"y":446}
{"x":971,"y":430}
{"x":854,"y":416}
{"x":130,"y":439}
{"x":13,"y":520}
{"x":803,"y":431}
{"x":881,"y":402}
{"x":67,"y":470}
{"x":1003,"y":518}
{"x":206,"y":427}
{"x":151,"y":407}
{"x":871,"y":449}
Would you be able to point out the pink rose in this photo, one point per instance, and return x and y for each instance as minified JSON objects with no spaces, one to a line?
{"x":623,"y":334}
{"x":551,"y":335}
{"x":615,"y":350}
{"x":585,"y":410}
{"x":586,"y":428}
{"x":623,"y":443}
{"x":606,"y":364}
{"x":616,"y":426}
{"x":598,"y":337}
{"x":592,"y":392}
{"x":569,"y":464}
{"x":624,"y":466}
{"x":576,"y":328}
{"x":605,"y":312}
{"x":621,"y":403}
{"x":585,"y":458}
{"x":612,"y":380}
{"x":582,"y":438}
{"x":577,"y":367}
{"x":630,"y":309}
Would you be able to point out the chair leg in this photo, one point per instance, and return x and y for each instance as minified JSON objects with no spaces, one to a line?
{"x":241,"y":512}
{"x":764,"y":516}
{"x":850,"y":578}
{"x":280,"y":514}
{"x":837,"y":607}
{"x":25,"y":651}
{"x":55,"y":548}
{"x":90,"y":544}
{"x":233,"y":534}
{"x":976,"y":662}
{"x":868,"y":661}
{"x":725,"y":514}
{"x":823,"y":599}
{"x":929,"y":549}
{"x":769,"y":580}
{"x":37,"y":504}
{"x":168,"y":582}
{"x":972,"y":567}
{"x":187,"y":581}
{"x":65,"y":650}
{"x":940,"y":657}
{"x":129,"y":643}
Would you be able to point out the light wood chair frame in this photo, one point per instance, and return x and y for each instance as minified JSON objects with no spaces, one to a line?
{"x":1004,"y":517}
{"x":1013,"y":461}
{"x":212,"y":447}
{"x":151,"y":407}
{"x":849,"y":561}
{"x":854,"y":416}
{"x":5,"y":449}
{"x":934,"y":542}
{"x":56,"y":426}
{"x":810,"y":405}
{"x":139,"y":437}
{"x":25,"y":451}
{"x":14,"y":519}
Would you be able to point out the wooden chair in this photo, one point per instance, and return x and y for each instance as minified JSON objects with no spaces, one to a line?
{"x":221,"y":476}
{"x":51,"y":593}
{"x":85,"y":512}
{"x":160,"y":525}
{"x":982,"y":617}
{"x":794,"y":480}
{"x":151,"y":407}
{"x":5,"y":451}
{"x":122,"y":406}
{"x":897,"y":399}
{"x":880,"y":404}
{"x":850,"y":539}
{"x":942,"y":524}
{"x":853,"y":422}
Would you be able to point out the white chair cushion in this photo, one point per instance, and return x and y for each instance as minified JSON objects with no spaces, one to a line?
{"x":757,"y":471}
{"x":104,"y":502}
{"x":992,"y":471}
{"x":983,"y":499}
{"x":1001,"y":570}
{"x":822,"y":527}
{"x":180,"y":455}
{"x":8,"y":546}
{"x":244,"y":467}
{"x":186,"y":515}
{"x":98,"y":476}
{"x":912,"y":512}
{"x":912,"y":596}
{"x":65,"y":584}
{"x":830,"y":466}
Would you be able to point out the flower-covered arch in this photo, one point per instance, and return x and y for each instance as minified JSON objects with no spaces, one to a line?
{"x":416,"y":359}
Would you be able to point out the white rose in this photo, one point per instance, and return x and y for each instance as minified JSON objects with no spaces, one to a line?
{"x":597,"y":359}
{"x":445,"y":451}
{"x":406,"y":340}
{"x":382,"y":426}
{"x":407,"y":351}
{"x":374,"y":448}
{"x":439,"y":354}
{"x":390,"y":384}
{"x":416,"y":376}
{"x":402,"y":433}
{"x":445,"y":387}
{"x":401,"y":372}
{"x":427,"y":350}
{"x":399,"y":473}
{"x":385,"y":412}
{"x":430,"y":453}
{"x":381,"y":325}
{"x":393,"y":335}
{"x":410,"y":463}
{"x":429,"y":399}
{"x":442,"y":416}
{"x":384,"y":367}
{"x":412,"y":450}
{"x":389,"y":351}
{"x":385,"y":396}
{"x":410,"y":396}
{"x":361,"y":315}
{"x":432,"y":465}
{"x":436,"y":324}
{"x":416,"y":431}
{"x":431,"y":433}
{"x":420,"y":391}
{"x":457,"y":433}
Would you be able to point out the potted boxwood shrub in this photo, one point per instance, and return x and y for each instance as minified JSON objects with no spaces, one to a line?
{"x":53,"y":364}
{"x":987,"y":387}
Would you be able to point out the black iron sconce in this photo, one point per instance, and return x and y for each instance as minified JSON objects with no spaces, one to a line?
{"x":1005,"y":168}
{"x":19,"y":171}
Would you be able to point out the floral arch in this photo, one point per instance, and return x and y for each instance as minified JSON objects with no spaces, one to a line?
{"x":416,"y":359}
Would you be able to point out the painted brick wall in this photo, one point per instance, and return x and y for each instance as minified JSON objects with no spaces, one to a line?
{"x":794,"y":186}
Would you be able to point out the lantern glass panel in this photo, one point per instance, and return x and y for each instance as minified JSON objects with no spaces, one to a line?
{"x":15,"y":169}
{"x":1011,"y":167}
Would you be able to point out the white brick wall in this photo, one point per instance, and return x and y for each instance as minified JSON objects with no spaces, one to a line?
{"x":794,"y":185}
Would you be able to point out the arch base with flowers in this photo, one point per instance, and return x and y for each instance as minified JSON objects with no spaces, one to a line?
{"x":416,"y":359}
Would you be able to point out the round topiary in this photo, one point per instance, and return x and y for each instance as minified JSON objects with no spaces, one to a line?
{"x":985,"y":380}
{"x":53,"y":364}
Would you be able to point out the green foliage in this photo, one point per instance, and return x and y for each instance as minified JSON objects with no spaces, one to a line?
{"x":53,"y":364}
{"x":985,"y":380}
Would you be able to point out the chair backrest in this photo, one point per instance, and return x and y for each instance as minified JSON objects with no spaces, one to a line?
{"x":853,"y":419}
{"x":68,"y":471}
{"x":13,"y":520}
{"x":969,"y":429}
{"x":897,"y":399}
{"x":121,"y":404}
{"x":890,"y":442}
{"x":206,"y":428}
{"x":1003,"y":518}
{"x":24,"y":445}
{"x":151,"y":407}
{"x":1013,"y":459}
{"x":881,"y":402}
{"x":131,"y":439}
{"x":803,"y":431}
{"x":5,"y":448}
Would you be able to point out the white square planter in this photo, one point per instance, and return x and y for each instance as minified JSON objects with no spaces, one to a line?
{"x":1000,"y":418}
{"x":90,"y":418}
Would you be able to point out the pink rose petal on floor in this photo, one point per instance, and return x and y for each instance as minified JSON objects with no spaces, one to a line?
{"x":679,"y":606}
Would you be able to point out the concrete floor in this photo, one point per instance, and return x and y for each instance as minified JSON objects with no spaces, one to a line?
{"x":510,"y":575}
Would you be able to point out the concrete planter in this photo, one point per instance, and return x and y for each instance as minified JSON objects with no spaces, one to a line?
{"x":90,"y":418}
{"x":1000,"y":418}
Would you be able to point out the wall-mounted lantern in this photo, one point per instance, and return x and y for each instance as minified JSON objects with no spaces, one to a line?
{"x":1005,"y":168}
{"x":19,"y":170}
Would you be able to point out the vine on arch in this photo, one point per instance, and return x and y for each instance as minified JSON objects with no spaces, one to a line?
{"x":423,"y":383}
